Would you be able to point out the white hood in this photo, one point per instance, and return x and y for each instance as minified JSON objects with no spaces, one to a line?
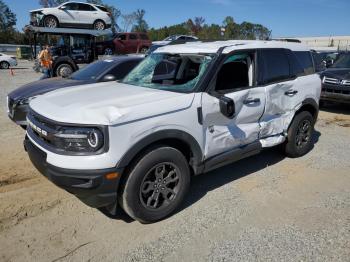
{"x":108,"y":103}
{"x":161,"y":42}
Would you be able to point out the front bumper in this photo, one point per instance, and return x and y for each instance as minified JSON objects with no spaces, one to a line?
{"x":90,"y":186}
{"x":335,"y":93}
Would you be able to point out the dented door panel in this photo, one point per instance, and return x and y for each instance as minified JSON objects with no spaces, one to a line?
{"x":223,"y":134}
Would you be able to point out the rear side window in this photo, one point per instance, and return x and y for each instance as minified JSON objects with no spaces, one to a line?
{"x":305,"y":60}
{"x":143,"y":37}
{"x":102,"y":8}
{"x":132,"y":37}
{"x":274,"y":66}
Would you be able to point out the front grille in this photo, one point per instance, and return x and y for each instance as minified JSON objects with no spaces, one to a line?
{"x":40,"y":128}
{"x":332,"y":81}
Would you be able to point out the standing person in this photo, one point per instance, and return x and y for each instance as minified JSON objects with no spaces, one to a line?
{"x":45,"y":59}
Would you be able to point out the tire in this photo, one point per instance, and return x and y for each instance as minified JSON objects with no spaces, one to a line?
{"x":99,"y":25}
{"x":108,"y":51}
{"x":64,"y":70}
{"x":299,"y":141}
{"x":50,"y":21}
{"x":143,"y":50}
{"x":156,"y":185}
{"x":4,"y":65}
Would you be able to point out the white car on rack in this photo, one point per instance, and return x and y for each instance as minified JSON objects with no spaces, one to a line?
{"x":184,"y":110}
{"x":7,"y":61}
{"x":72,"y":14}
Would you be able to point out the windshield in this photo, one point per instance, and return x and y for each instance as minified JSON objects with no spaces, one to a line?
{"x":92,"y":71}
{"x":343,"y":61}
{"x":179,"y":73}
{"x":171,"y":38}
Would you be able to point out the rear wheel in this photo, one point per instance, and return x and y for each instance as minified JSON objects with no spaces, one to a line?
{"x":64,"y":70}
{"x":156,"y":185}
{"x":300,"y":135}
{"x":99,"y":25}
{"x":50,"y":21}
{"x":4,"y":65}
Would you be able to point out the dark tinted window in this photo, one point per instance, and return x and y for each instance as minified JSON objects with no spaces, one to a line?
{"x":132,"y":37}
{"x":71,"y":6}
{"x":305,"y":60}
{"x":143,"y":37}
{"x":104,"y":9}
{"x":92,"y":71}
{"x":343,"y":61}
{"x":274,"y":64}
{"x":121,"y":70}
{"x":121,"y":37}
{"x":295,"y":67}
{"x":84,"y":7}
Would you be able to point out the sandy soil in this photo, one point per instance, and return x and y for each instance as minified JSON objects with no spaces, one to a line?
{"x":266,"y":207}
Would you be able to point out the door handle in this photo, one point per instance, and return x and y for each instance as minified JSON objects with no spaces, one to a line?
{"x":291,"y":92}
{"x":251,"y":101}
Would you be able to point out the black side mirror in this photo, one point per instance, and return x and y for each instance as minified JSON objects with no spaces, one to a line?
{"x":109,"y":77}
{"x":227,"y":106}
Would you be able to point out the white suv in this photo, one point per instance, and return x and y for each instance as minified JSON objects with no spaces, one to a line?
{"x":184,"y":110}
{"x":72,"y":14}
{"x":7,"y":61}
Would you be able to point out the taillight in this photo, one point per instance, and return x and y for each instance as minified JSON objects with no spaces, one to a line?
{"x":109,"y":14}
{"x":13,"y":57}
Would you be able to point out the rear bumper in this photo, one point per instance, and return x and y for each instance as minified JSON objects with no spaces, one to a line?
{"x":90,"y":186}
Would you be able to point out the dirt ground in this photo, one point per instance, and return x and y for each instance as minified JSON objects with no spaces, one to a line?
{"x":267,"y":207}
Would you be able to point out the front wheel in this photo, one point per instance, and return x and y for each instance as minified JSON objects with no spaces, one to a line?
{"x":300,"y":133}
{"x":156,"y":185}
{"x":50,"y":21}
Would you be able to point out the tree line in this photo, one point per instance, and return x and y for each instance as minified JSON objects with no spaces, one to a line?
{"x":135,"y":21}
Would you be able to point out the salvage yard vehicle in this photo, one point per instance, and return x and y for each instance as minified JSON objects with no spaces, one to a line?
{"x":336,"y":81}
{"x":111,"y":69}
{"x":7,"y":61}
{"x":72,"y":14}
{"x":124,"y":43}
{"x":184,"y":110}
{"x":70,"y":47}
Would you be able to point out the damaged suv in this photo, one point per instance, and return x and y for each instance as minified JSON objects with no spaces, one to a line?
{"x":184,"y":110}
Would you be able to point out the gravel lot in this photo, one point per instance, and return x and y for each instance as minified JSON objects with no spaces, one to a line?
{"x":263,"y":208}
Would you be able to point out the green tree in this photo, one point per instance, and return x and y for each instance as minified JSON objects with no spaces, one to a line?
{"x":140,"y":23}
{"x":7,"y":18}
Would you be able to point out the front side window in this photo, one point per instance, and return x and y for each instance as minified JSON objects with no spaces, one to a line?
{"x":85,"y":7}
{"x":173,"y":72}
{"x":343,"y":61}
{"x":237,"y":73}
{"x":71,"y":6}
{"x":121,"y":37}
{"x":274,"y":64}
{"x":132,"y":37}
{"x":92,"y":71}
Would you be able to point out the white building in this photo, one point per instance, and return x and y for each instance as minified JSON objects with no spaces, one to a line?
{"x":325,"y":42}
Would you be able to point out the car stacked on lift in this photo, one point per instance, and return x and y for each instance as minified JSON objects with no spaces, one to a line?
{"x":72,"y":14}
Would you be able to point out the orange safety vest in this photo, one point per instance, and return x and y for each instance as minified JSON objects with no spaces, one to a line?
{"x":45,"y":59}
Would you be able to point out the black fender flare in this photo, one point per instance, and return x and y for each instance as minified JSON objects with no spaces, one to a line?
{"x":164,"y":135}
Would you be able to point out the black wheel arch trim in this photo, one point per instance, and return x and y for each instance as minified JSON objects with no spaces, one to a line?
{"x":159,"y":136}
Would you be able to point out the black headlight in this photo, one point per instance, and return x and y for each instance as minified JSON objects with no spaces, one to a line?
{"x":82,"y":139}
